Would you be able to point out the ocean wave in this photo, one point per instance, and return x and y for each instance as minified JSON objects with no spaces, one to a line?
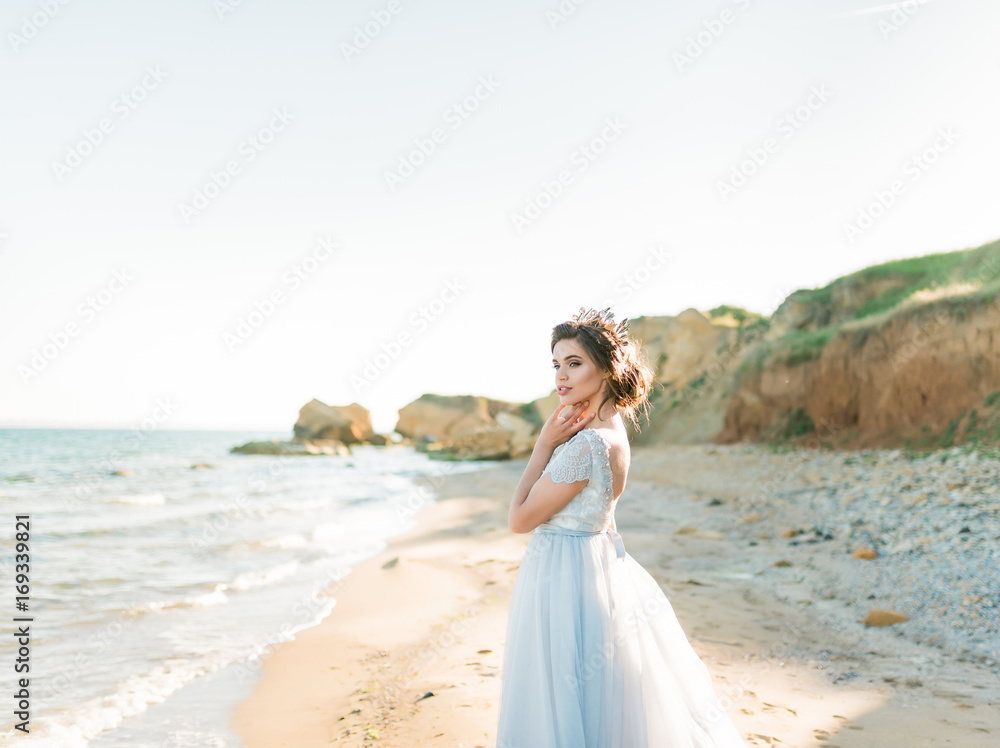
{"x":242,"y":582}
{"x":138,"y":499}
{"x":301,"y":506}
{"x":250,"y":579}
{"x":216,"y":597}
{"x":291,"y":540}
{"x":76,"y":726}
{"x":328,"y":531}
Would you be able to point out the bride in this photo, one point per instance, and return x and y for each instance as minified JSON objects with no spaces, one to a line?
{"x":594,"y":655}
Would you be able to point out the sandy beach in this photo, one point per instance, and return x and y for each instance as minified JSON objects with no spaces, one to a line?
{"x":411,"y":654}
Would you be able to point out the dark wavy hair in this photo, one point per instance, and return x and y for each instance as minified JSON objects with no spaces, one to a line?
{"x":630,"y":379}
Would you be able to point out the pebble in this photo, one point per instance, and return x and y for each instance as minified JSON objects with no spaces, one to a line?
{"x":931,"y":524}
{"x":930,"y":527}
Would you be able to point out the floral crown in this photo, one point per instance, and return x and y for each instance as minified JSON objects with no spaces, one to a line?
{"x":605,"y":320}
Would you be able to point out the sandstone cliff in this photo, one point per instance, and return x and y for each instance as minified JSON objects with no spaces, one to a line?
{"x":470,"y":426}
{"x":906,"y":353}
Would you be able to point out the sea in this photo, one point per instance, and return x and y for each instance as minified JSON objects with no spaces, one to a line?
{"x":156,"y":569}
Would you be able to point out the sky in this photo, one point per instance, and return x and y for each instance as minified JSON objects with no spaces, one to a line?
{"x":214,"y":211}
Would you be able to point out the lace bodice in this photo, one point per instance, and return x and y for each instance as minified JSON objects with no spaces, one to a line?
{"x":584,"y":456}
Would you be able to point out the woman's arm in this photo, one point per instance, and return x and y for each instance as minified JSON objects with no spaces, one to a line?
{"x":545,"y":498}
{"x":550,"y":498}
{"x":532,"y":472}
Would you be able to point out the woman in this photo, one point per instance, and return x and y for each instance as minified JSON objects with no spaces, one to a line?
{"x":595,"y":657}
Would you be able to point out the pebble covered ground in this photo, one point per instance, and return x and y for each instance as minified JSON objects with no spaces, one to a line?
{"x":932,"y":520}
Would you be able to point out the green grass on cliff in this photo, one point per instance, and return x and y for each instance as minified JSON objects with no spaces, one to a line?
{"x":799,"y":346}
{"x":791,"y":349}
{"x":530,"y":413}
{"x":979,"y":267}
{"x":739,"y":315}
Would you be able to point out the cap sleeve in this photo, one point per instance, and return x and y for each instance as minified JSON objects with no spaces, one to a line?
{"x":571,"y":460}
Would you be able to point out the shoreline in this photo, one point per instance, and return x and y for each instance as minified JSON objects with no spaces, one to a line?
{"x":411,"y":653}
{"x":402,"y":617}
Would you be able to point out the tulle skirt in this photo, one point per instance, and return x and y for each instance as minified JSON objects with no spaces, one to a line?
{"x":596,"y":658}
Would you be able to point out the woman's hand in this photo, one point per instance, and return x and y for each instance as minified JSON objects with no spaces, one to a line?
{"x":563,"y":424}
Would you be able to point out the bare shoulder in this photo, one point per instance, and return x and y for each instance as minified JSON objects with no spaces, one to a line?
{"x":620,"y":456}
{"x":617,"y":439}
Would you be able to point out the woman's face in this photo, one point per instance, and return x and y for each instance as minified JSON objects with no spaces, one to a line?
{"x":577,"y":376}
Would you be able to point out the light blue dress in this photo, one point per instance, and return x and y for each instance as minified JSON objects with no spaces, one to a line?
{"x":594,"y":655}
